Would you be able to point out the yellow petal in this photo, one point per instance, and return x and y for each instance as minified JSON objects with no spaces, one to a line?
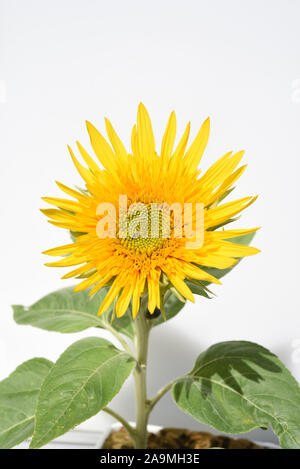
{"x":124,"y":300}
{"x":111,"y":295}
{"x":84,"y":173}
{"x":139,"y":287}
{"x":217,"y":261}
{"x":116,"y":142}
{"x":72,"y":192}
{"x":61,"y":250}
{"x":67,"y":226}
{"x":152,"y":301}
{"x":89,"y":161}
{"x":182,"y":287}
{"x":145,"y":137}
{"x":180,"y":149}
{"x":56,"y":214}
{"x":100,"y":146}
{"x":63,"y":203}
{"x":168,"y":138}
{"x":66,"y":262}
{"x":196,"y":150}
{"x":196,"y":273}
{"x":104,"y":281}
{"x":88,"y":282}
{"x":226,"y":248}
{"x":134,"y":146}
{"x":221,"y":213}
{"x":226,"y":184}
{"x":227,"y":234}
{"x":217,"y":173}
{"x":80,"y":270}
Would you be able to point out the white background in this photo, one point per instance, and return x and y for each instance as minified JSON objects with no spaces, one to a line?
{"x":64,"y":61}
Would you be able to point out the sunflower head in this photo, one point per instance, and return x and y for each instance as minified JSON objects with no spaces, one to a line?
{"x":148,"y":220}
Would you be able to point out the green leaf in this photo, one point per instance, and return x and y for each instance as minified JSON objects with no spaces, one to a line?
{"x":84,"y":379}
{"x":62,"y":311}
{"x":244,"y":239}
{"x":18,"y":398}
{"x":68,"y":311}
{"x":198,"y":287}
{"x":124,"y":325}
{"x":238,"y":386}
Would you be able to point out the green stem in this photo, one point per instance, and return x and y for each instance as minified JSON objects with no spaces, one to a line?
{"x":162,"y":392}
{"x":118,"y":336}
{"x":124,"y":422}
{"x":142,"y":406}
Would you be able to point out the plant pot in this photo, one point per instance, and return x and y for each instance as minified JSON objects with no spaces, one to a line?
{"x":156,"y":428}
{"x":117,"y":426}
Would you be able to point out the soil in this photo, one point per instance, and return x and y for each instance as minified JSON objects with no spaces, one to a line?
{"x":177,"y":438}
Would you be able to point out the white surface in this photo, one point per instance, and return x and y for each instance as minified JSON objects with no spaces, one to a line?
{"x":238,"y":62}
{"x":75,"y":439}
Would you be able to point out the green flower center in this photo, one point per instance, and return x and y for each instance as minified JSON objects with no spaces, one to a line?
{"x":145,"y":228}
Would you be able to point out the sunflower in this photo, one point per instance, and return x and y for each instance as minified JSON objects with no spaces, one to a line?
{"x":133,"y":266}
